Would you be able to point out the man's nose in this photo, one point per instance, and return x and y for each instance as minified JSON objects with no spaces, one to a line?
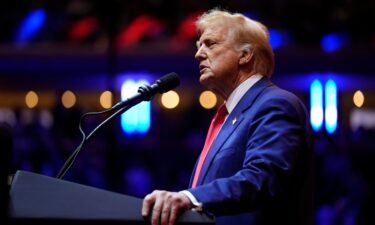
{"x":200,"y":54}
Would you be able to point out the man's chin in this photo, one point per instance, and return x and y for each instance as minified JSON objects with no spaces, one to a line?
{"x":205,"y":79}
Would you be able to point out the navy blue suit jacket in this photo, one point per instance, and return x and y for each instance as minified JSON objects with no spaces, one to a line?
{"x":258,"y":170}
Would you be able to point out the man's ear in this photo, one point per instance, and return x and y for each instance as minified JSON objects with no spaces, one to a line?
{"x":246,"y":56}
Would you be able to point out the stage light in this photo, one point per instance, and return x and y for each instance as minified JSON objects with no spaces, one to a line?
{"x":334,"y":42}
{"x":83,"y":28}
{"x":140,"y":27}
{"x":31,"y":99}
{"x":170,"y":100}
{"x":330,"y":106}
{"x":358,"y":99}
{"x":276,"y":39}
{"x":106,"y":99}
{"x":185,"y":31}
{"x":137,"y":120}
{"x":316,"y":105}
{"x":279,"y":38}
{"x":68,"y":99}
{"x":208,"y":99}
{"x":31,"y":25}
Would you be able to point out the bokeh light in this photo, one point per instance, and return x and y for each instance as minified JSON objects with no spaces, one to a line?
{"x":358,"y":99}
{"x":170,"y":100}
{"x":106,"y":99}
{"x":208,"y":99}
{"x":68,"y":99}
{"x":31,"y":99}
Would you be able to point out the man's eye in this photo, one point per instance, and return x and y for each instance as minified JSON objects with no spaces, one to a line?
{"x":211,"y":43}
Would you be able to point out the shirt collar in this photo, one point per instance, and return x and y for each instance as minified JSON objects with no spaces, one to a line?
{"x":240,"y":91}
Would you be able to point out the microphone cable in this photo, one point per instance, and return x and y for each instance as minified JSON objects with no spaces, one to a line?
{"x":85,"y":138}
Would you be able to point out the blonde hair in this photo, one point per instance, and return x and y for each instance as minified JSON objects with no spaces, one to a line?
{"x":248,"y":33}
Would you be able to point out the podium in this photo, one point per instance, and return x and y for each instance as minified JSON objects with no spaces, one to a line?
{"x":38,"y":199}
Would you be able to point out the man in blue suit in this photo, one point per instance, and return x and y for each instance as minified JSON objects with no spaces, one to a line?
{"x":258,"y":168}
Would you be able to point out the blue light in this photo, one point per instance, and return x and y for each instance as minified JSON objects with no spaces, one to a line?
{"x":136,"y":120}
{"x":32,"y":23}
{"x":330,"y":106}
{"x":276,"y":38}
{"x":316,"y":105}
{"x":334,"y":41}
{"x":279,"y":38}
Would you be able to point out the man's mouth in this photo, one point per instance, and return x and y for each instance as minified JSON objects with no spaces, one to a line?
{"x":202,"y":68}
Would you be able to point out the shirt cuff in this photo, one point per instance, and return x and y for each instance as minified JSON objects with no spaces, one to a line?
{"x":197,"y":206}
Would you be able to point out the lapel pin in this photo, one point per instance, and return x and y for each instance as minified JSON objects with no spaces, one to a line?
{"x":234,"y":121}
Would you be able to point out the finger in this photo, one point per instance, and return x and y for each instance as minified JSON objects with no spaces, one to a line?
{"x":148,"y":201}
{"x":166,"y":208}
{"x":173,"y":214}
{"x":165,"y":214}
{"x":156,"y":211}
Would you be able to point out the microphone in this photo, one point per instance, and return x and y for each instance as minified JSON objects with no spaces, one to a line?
{"x":165,"y":83}
{"x":146,"y":92}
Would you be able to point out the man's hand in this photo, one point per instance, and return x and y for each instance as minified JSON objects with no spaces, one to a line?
{"x":167,"y":206}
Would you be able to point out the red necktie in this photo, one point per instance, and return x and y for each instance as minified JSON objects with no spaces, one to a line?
{"x":215,"y":126}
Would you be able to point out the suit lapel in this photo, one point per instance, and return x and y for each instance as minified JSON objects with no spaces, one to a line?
{"x":232,"y":122}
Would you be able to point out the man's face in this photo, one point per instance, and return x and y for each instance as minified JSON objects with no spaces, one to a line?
{"x":219,"y":59}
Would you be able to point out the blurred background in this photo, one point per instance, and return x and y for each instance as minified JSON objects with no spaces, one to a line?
{"x":61,"y":59}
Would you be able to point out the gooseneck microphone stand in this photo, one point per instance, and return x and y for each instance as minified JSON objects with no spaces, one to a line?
{"x":145,"y":93}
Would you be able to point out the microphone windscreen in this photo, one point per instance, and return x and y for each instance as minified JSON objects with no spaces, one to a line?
{"x":168,"y":82}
